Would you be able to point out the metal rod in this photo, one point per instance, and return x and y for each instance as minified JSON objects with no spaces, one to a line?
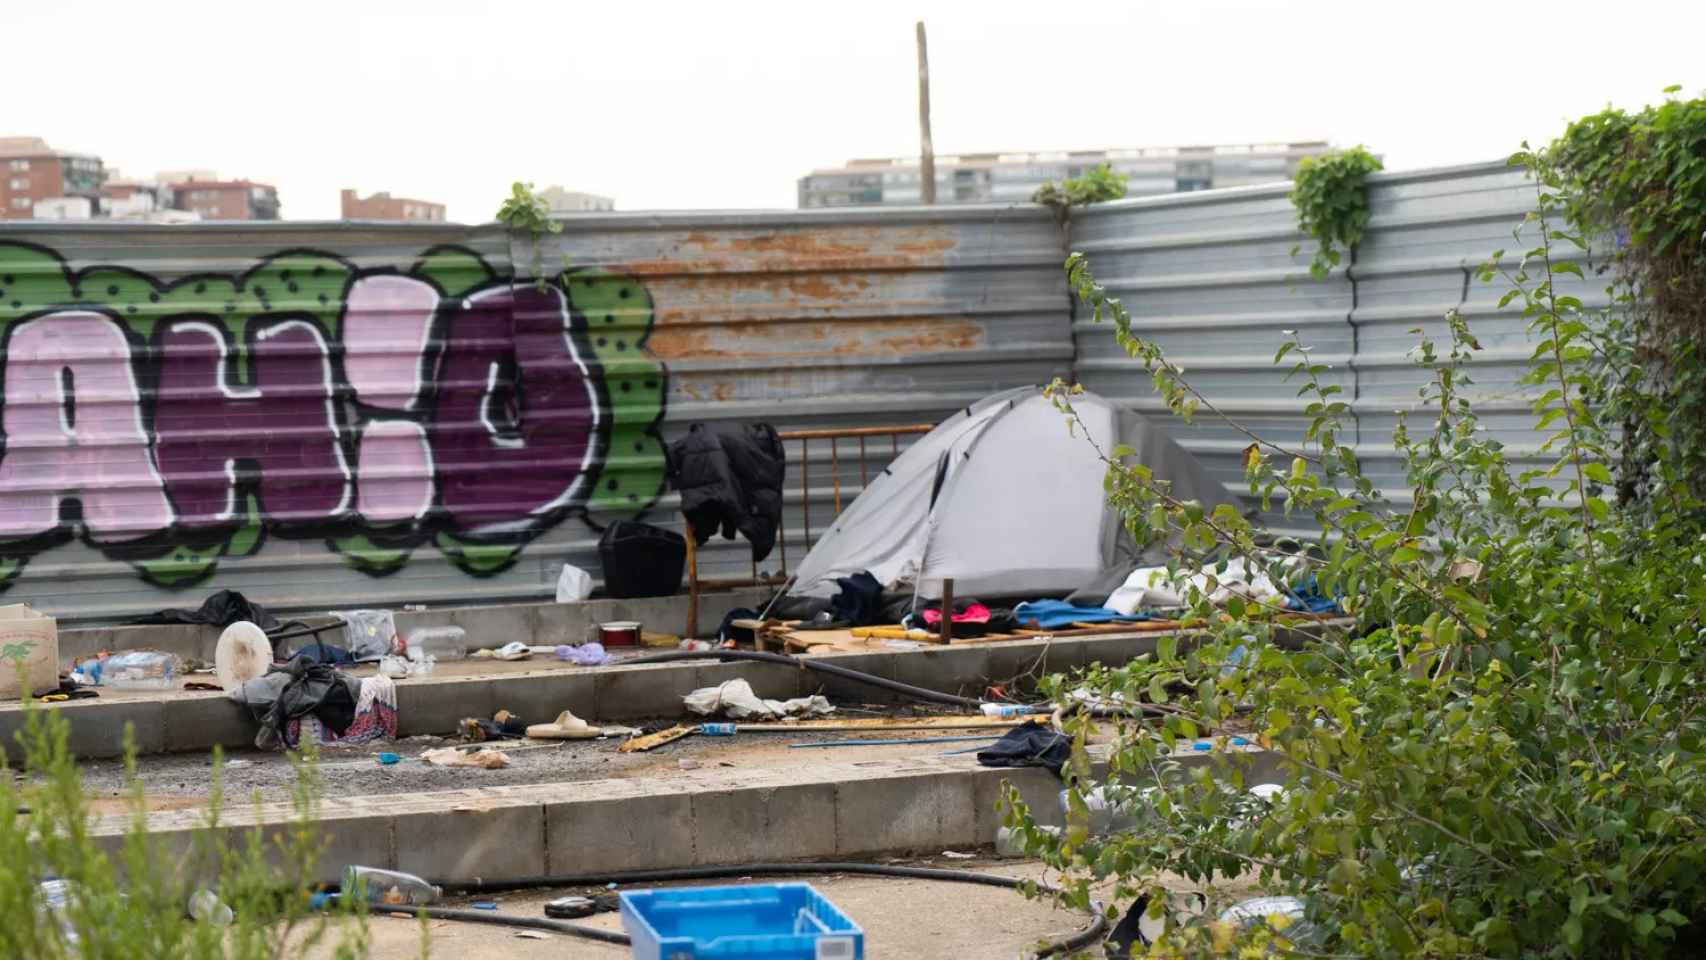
{"x":864,"y":477}
{"x":855,"y":432}
{"x":692,"y":581}
{"x":806,"y":487}
{"x":895,"y":742}
{"x":835,"y":471}
{"x":947,"y":609}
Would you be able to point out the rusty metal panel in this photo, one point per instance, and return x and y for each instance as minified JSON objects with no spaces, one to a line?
{"x":820,"y":319}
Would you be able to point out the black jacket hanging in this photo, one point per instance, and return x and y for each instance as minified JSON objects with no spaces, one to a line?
{"x":730,"y":479}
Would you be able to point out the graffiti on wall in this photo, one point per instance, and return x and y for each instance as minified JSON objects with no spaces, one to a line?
{"x":434,"y":404}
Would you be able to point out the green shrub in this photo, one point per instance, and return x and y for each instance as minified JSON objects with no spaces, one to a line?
{"x":1097,"y":185}
{"x":1502,"y":756}
{"x":130,"y":903}
{"x":1332,"y":204}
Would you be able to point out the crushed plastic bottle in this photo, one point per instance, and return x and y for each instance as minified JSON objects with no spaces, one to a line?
{"x":205,"y":905}
{"x":1280,"y":913}
{"x":390,"y":887}
{"x":55,"y":900}
{"x":1112,"y":811}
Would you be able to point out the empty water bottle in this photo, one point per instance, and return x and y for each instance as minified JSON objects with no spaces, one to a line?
{"x":1009,"y":711}
{"x":56,"y":903}
{"x":439,"y":643}
{"x":1112,"y":809}
{"x":389,"y":887}
{"x":141,"y":670}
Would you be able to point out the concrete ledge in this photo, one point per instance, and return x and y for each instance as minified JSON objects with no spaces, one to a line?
{"x":181,"y":721}
{"x":487,"y":626}
{"x":847,"y":810}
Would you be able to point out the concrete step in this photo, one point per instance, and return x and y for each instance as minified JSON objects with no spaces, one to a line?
{"x":839,"y":810}
{"x":181,"y":721}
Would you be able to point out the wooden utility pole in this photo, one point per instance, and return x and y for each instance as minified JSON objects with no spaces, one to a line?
{"x":927,"y":166}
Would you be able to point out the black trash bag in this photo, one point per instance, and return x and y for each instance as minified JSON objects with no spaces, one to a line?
{"x":1030,"y":745}
{"x":641,"y":560}
{"x":220,"y":610}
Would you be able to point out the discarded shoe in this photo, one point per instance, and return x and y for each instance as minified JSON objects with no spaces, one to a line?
{"x":567,"y":726}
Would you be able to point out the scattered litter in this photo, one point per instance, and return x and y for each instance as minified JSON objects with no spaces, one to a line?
{"x":736,"y":700}
{"x":237,"y":763}
{"x":687,"y":764}
{"x":903,"y":644}
{"x":956,"y":855}
{"x":203,"y":685}
{"x":397,"y":667}
{"x":503,"y":726}
{"x":620,"y":633}
{"x":390,"y":887}
{"x":586,"y":655}
{"x":532,"y":935}
{"x":567,"y":726}
{"x":206,"y":905}
{"x":717,"y":729}
{"x":725,"y":763}
{"x":691,"y":644}
{"x":509,"y":651}
{"x":437,"y":643}
{"x":571,"y":908}
{"x":574,"y":585}
{"x":619,"y":731}
{"x":242,"y":654}
{"x":484,"y":905}
{"x":451,"y":757}
{"x":1031,"y":745}
{"x":388,"y":758}
{"x":610,"y":886}
{"x":368,"y":634}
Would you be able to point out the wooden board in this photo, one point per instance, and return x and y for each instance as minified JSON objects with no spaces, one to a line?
{"x":650,"y":740}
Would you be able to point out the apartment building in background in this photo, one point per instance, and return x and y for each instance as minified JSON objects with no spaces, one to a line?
{"x":1013,"y":177}
{"x":32,"y":172}
{"x":383,"y":206}
{"x":215,"y":199}
{"x":573,"y":201}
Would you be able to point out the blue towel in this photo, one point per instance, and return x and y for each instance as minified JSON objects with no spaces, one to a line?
{"x":1309,"y":598}
{"x":1048,"y":614}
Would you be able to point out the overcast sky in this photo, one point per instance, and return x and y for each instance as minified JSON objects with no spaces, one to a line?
{"x":725,"y":104}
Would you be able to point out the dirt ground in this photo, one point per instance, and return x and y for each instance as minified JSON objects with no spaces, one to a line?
{"x":902,"y":918}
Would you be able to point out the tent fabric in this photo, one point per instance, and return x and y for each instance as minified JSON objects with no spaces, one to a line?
{"x":1006,"y":500}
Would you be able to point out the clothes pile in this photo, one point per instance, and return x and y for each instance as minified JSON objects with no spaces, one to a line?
{"x":304,"y":701}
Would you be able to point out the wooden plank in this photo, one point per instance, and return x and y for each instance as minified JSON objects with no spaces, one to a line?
{"x":651,"y":740}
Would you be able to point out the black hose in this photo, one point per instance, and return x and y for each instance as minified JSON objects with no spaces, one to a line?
{"x":503,"y":920}
{"x":1091,"y":934}
{"x":917,"y":693}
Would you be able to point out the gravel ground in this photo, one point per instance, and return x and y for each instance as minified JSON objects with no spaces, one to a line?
{"x":178,"y":781}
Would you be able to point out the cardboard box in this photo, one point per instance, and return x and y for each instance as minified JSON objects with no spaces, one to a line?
{"x":32,"y":638}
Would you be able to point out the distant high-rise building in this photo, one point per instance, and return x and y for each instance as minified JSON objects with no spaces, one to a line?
{"x":383,"y":206}
{"x":215,"y":199}
{"x":32,"y":172}
{"x":1013,"y":177}
{"x":571,"y":201}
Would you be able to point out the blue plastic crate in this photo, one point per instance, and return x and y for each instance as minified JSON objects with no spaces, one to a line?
{"x":765,"y":921}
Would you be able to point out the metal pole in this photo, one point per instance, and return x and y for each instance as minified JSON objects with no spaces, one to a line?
{"x":806,"y":488}
{"x":947,"y":609}
{"x":927,"y":164}
{"x":835,"y":471}
{"x":692,"y":581}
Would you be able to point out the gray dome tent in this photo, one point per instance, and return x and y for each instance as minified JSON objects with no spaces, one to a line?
{"x":1004,"y":499}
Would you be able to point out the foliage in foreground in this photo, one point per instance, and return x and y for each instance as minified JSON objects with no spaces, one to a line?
{"x":130,"y":903}
{"x":1503,"y":756}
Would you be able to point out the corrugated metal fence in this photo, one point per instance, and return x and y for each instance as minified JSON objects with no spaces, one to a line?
{"x":1210,"y":277}
{"x":326,"y":415}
